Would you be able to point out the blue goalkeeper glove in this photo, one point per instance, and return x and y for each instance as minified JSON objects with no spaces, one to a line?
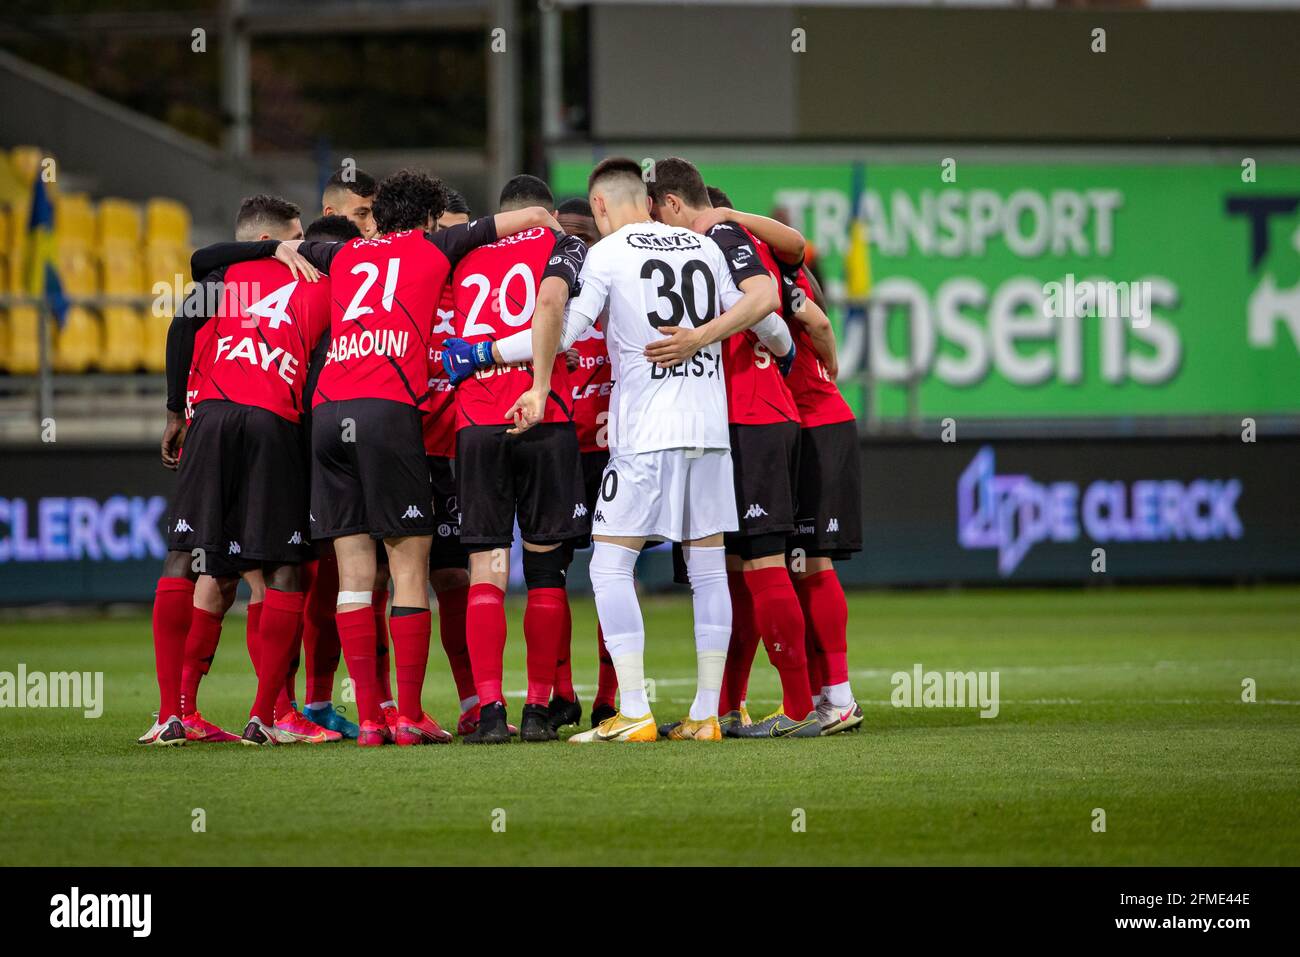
{"x":786,"y":362}
{"x":461,"y":360}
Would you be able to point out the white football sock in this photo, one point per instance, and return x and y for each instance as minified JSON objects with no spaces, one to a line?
{"x":711,"y":599}
{"x":841,"y":695}
{"x":611,"y":572}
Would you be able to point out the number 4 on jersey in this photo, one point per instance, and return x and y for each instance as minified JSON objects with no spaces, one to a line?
{"x":275,"y":307}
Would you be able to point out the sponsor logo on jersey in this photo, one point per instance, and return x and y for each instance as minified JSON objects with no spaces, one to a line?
{"x":536,"y":232}
{"x":579,"y":510}
{"x":295,"y":538}
{"x":183,"y":526}
{"x":833,"y":525}
{"x":670,"y":241}
{"x":756,"y":511}
{"x":412,"y":512}
{"x":599,"y":516}
{"x":233,"y":549}
{"x":444,"y":530}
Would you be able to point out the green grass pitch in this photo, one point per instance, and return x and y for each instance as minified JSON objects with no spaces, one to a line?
{"x":1124,"y":700}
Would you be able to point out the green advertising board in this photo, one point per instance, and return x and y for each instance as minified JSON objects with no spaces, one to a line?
{"x":1050,"y":289}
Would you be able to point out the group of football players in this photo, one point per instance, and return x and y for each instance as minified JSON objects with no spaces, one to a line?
{"x":369,"y":409}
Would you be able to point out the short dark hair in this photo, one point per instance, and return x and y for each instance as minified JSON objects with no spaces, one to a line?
{"x":578,"y":206}
{"x":456,"y":202}
{"x":263,"y":212}
{"x":524,"y":190}
{"x":332,"y":229}
{"x":614,"y":166}
{"x":718,"y":198}
{"x":406,"y":200}
{"x":679,"y":177}
{"x":362,"y":184}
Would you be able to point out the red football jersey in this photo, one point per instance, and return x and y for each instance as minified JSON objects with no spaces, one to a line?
{"x":756,"y":392}
{"x":815,"y":393}
{"x":590,"y":386}
{"x":198,"y":362}
{"x":439,"y":408}
{"x":495,"y":290}
{"x":262,"y":335}
{"x":385,"y":291}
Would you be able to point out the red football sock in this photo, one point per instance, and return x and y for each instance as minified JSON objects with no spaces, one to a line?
{"x":544,"y":622}
{"x":827,"y":611}
{"x":743,"y":645}
{"x":173,"y":604}
{"x":564,"y":661}
{"x":200,"y":648}
{"x":320,"y":634}
{"x":357,"y":638}
{"x":607,"y":682}
{"x":281,"y":612}
{"x":485,"y":630}
{"x":288,"y":697}
{"x":411,"y":650}
{"x":451,"y":629}
{"x":383,"y":674}
{"x":252,"y":627}
{"x":780,"y":621}
{"x":816,"y":663}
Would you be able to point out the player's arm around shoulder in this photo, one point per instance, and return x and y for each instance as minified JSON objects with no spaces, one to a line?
{"x":758,"y":298}
{"x":549,"y":334}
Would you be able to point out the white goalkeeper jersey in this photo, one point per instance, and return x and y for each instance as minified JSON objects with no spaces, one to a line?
{"x":650,"y":275}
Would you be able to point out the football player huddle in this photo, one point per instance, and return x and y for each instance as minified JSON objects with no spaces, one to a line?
{"x":372,"y":409}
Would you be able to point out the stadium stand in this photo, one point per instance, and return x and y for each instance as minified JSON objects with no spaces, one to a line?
{"x":110,"y":253}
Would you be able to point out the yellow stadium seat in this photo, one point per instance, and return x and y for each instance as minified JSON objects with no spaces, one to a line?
{"x":77,"y":344}
{"x":23,"y":344}
{"x":74,"y":219}
{"x":122,"y":271}
{"x":77,"y":270}
{"x":118,"y":222}
{"x":155,"y":341}
{"x":26,"y":162}
{"x":164,"y":264}
{"x":167,"y":222}
{"x":123,"y":349}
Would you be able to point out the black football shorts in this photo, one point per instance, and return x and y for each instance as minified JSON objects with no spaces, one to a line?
{"x":535,"y":477}
{"x":446,"y":550}
{"x":829,"y":516}
{"x":369,"y":472}
{"x":240,"y":490}
{"x":764,"y":460}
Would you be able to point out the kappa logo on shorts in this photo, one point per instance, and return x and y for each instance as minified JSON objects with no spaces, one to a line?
{"x":756,"y":511}
{"x":579,"y":510}
{"x":233,"y":549}
{"x":295,"y":538}
{"x":412,"y":512}
{"x":833,"y":525}
{"x":599,"y":516}
{"x":183,"y":526}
